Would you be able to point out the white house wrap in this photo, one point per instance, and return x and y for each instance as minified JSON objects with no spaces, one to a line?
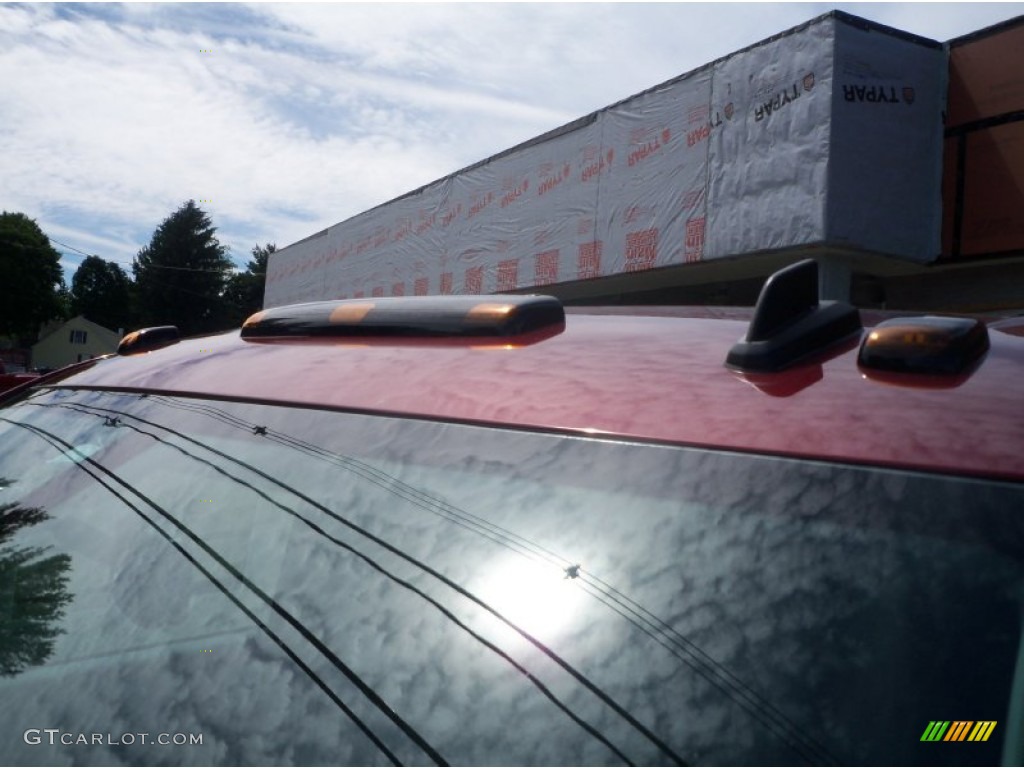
{"x":829,"y":134}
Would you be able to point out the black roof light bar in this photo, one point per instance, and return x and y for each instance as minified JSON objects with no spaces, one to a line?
{"x":790,"y":323}
{"x":410,"y":316}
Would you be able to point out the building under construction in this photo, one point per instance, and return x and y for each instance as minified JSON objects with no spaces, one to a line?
{"x":896,"y":161}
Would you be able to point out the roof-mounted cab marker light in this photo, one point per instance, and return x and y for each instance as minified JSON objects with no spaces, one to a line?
{"x":790,"y":322}
{"x":927,"y":344}
{"x":410,"y":316}
{"x":148,"y":339}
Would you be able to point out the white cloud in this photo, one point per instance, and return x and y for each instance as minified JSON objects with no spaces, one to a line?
{"x":305,"y":114}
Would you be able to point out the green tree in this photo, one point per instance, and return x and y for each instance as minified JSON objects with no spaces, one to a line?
{"x":244,"y":293}
{"x":64,"y":301}
{"x":180,"y":277}
{"x":31,"y":278}
{"x":101,"y":290}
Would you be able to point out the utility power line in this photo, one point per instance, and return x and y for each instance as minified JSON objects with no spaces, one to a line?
{"x":128,"y":263}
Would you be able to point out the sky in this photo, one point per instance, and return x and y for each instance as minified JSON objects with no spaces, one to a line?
{"x":280,"y":120}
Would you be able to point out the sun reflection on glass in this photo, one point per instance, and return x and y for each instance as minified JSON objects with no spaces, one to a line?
{"x":540,"y":598}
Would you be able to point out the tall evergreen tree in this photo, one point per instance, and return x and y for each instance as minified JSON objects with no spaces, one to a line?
{"x":31,"y":278}
{"x":101,"y":290}
{"x":245,"y":289}
{"x":181,"y":275}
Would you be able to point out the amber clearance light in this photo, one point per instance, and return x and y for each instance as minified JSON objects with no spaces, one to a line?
{"x":925,"y":344}
{"x":148,"y":339}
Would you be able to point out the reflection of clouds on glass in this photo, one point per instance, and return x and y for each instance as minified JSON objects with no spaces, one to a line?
{"x":249,"y":704}
{"x":729,"y":562}
{"x":102,"y":684}
{"x":735,"y":606}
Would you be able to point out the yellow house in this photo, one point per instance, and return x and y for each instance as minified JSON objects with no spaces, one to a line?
{"x":72,"y":341}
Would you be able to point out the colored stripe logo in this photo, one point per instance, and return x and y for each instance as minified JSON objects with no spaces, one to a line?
{"x":958,"y":730}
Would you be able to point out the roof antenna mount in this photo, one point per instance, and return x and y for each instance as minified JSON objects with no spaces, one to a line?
{"x":791,"y":323}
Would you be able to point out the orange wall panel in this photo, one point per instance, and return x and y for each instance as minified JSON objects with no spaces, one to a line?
{"x":993,"y":212}
{"x":986,"y":76}
{"x":983,"y":156}
{"x":949,"y":192}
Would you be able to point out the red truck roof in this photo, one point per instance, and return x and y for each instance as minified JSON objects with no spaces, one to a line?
{"x":651,"y":376}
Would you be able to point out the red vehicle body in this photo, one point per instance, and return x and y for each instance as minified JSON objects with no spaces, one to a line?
{"x":11,"y":380}
{"x":647,"y":374}
{"x":486,"y":530}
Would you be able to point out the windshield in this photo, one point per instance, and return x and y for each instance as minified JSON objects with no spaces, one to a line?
{"x":257,"y":584}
